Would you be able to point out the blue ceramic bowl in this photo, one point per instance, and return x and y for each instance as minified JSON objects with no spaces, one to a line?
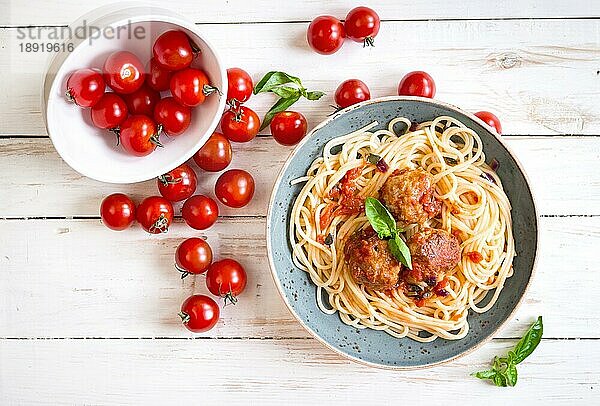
{"x":377,"y":348}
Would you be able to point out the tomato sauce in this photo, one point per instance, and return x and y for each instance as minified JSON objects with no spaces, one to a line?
{"x":475,"y":257}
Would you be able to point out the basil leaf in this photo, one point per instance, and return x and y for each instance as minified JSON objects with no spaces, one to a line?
{"x":489,"y":374}
{"x":273,"y":79}
{"x":281,"y":105}
{"x":400,"y":251}
{"x":529,"y":342}
{"x":286,"y":92}
{"x":511,"y":374}
{"x":499,"y":379}
{"x":380,"y":218}
{"x":314,"y":95}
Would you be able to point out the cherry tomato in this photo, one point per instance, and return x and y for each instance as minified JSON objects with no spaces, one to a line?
{"x":362,"y":25}
{"x":199,"y":313}
{"x":123,"y":72}
{"x":155,"y":214}
{"x":173,"y":51}
{"x":215,"y":155}
{"x":158,"y":78}
{"x":174,"y":118}
{"x":142,"y":101}
{"x":239,"y":87}
{"x":325,"y":34}
{"x":178,"y":184}
{"x":200,"y":212}
{"x":226,"y":279}
{"x":350,"y":92}
{"x":235,"y":188}
{"x":117,"y":211}
{"x":193,"y":256}
{"x":190,"y":87}
{"x":139,"y":135}
{"x":85,"y":87}
{"x":109,"y":112}
{"x":490,"y":119}
{"x":288,"y":127}
{"x":417,"y":83}
{"x":240,"y":125}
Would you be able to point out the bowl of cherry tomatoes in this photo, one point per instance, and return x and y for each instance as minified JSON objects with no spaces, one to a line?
{"x":137,"y":100}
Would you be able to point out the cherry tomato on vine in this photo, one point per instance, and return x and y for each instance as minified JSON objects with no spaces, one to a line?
{"x":200,"y":212}
{"x":239,"y":87}
{"x":173,"y":50}
{"x":158,"y":78}
{"x":174,"y":117}
{"x":178,"y":184}
{"x":199,"y":313}
{"x":417,"y":83}
{"x":490,"y":119}
{"x":226,"y":279}
{"x":123,"y":72}
{"x":235,"y":188}
{"x":139,"y":135}
{"x":142,"y":101}
{"x":109,"y":112}
{"x":155,"y":214}
{"x":117,"y":211}
{"x":362,"y":25}
{"x":190,"y":87}
{"x":350,"y":92}
{"x":240,"y":125}
{"x":288,"y":127}
{"x":215,"y":155}
{"x":325,"y":34}
{"x":193,"y":256}
{"x":85,"y":87}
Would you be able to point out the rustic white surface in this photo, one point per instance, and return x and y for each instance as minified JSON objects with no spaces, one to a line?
{"x":88,"y":316}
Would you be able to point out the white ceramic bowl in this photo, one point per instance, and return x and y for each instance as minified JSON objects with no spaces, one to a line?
{"x":91,"y":151}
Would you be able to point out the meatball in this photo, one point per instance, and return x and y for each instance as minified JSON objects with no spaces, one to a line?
{"x":370,"y":261}
{"x":408,"y":195}
{"x":434,"y":253}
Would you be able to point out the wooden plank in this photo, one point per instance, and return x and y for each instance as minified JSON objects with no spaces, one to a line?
{"x":537,"y":79}
{"x":39,"y":12}
{"x":74,"y":278}
{"x":273,"y":372}
{"x":37,"y":183}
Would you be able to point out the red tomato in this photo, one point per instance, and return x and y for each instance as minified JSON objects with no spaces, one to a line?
{"x":350,"y":92}
{"x":174,"y":118}
{"x":239,"y":87}
{"x":199,"y":313}
{"x":190,"y":87}
{"x":158,"y":78}
{"x":142,"y":101}
{"x":155,"y":214}
{"x":117,"y":211}
{"x":85,"y":87}
{"x":109,"y":112}
{"x":288,"y":127}
{"x":362,"y":25}
{"x":226,"y":279}
{"x":215,"y":155}
{"x":200,"y":212}
{"x":173,"y":51}
{"x":417,"y":83}
{"x":193,"y":256}
{"x":240,"y":125}
{"x":178,"y":184}
{"x":139,"y":135}
{"x":325,"y":34}
{"x":123,"y":72}
{"x":490,"y":119}
{"x":235,"y":188}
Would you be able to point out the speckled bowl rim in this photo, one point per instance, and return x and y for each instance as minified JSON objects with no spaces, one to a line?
{"x":271,"y":206}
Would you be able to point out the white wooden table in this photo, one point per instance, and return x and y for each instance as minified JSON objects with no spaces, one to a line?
{"x":88,"y":316}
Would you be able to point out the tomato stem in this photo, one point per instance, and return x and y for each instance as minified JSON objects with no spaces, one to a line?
{"x":154,"y":139}
{"x":208,"y":90}
{"x":69,"y":95}
{"x":369,"y":42}
{"x":117,"y":132}
{"x":162,"y":225}
{"x":184,"y":273}
{"x":185,"y":318}
{"x":231,"y":298}
{"x":167,"y":179}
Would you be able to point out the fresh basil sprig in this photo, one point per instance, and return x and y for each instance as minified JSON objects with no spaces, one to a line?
{"x":504,"y":370}
{"x":385,"y":226}
{"x":289,"y":88}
